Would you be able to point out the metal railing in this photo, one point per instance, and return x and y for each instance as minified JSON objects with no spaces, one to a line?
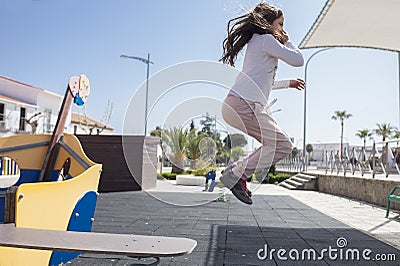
{"x":293,"y":163}
{"x":8,"y":167}
{"x":380,"y":158}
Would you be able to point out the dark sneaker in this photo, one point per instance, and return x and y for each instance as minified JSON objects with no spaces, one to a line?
{"x":229,"y":179}
{"x":241,"y":193}
{"x":249,"y":180}
{"x":236,"y":185}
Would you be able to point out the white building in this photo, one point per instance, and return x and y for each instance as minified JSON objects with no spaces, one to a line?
{"x":321,"y":149}
{"x":83,"y":125}
{"x":28,"y":109}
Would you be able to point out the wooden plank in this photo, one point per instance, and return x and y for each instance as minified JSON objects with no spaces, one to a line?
{"x":51,"y":153}
{"x":109,"y":150}
{"x":90,"y":242}
{"x":9,"y":208}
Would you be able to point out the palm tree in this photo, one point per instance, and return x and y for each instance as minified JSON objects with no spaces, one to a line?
{"x":309,"y":150}
{"x":341,"y":115}
{"x":363,"y":134}
{"x":385,"y":130}
{"x":174,"y":144}
{"x":295,"y":151}
{"x":192,"y":147}
{"x":156,"y":132}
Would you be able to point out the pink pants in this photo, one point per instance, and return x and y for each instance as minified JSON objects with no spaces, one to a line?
{"x":255,"y":121}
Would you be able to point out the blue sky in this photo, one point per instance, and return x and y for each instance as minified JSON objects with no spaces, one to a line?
{"x":44,"y":42}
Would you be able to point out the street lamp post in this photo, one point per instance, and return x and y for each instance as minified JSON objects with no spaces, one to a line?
{"x":305,"y":104}
{"x":276,"y":111}
{"x":147,"y":62}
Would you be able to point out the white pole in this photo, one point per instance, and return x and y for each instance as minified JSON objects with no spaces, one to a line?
{"x":305,"y":104}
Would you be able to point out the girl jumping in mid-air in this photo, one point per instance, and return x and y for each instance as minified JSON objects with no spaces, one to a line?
{"x":246,"y":105}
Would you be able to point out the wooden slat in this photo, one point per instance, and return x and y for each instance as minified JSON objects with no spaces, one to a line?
{"x":116,"y":175}
{"x":90,"y":242}
{"x":9,"y":208}
{"x":51,"y":154}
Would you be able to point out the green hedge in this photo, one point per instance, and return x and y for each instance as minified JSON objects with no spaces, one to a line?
{"x":201,"y":172}
{"x":279,"y":177}
{"x":167,"y":175}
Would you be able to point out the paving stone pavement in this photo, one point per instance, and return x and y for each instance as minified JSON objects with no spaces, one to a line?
{"x":357,"y":214}
{"x":280,"y":222}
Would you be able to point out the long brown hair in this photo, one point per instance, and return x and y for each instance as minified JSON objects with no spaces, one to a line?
{"x":259,"y":20}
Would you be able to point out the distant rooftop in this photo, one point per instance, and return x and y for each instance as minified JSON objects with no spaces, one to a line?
{"x":82,"y":119}
{"x":30,"y":86}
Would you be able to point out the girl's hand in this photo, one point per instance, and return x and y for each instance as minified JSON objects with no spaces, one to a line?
{"x":298,"y":84}
{"x":285,"y":36}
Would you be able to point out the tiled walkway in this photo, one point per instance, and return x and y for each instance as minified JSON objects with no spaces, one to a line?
{"x":294,"y":227}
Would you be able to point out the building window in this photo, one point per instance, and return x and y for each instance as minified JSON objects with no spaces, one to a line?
{"x":22,"y":118}
{"x":2,"y":117}
{"x":2,"y":112}
{"x":47,"y":121}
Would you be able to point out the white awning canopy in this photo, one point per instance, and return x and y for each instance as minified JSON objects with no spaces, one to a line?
{"x":356,"y":23}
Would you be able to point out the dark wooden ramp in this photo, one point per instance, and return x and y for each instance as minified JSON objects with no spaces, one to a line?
{"x":90,"y":242}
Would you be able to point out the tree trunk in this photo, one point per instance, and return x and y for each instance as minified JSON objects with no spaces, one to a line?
{"x":177,"y":166}
{"x":341,"y":140}
{"x":176,"y":169}
{"x":365,"y":144}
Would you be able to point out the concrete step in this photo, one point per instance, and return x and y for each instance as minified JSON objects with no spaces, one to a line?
{"x":286,"y":185}
{"x":294,"y":183}
{"x":300,"y":181}
{"x":305,"y":176}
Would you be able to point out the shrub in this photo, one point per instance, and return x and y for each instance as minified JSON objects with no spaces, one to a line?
{"x":279,"y":177}
{"x":272,"y":169}
{"x":169,"y":176}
